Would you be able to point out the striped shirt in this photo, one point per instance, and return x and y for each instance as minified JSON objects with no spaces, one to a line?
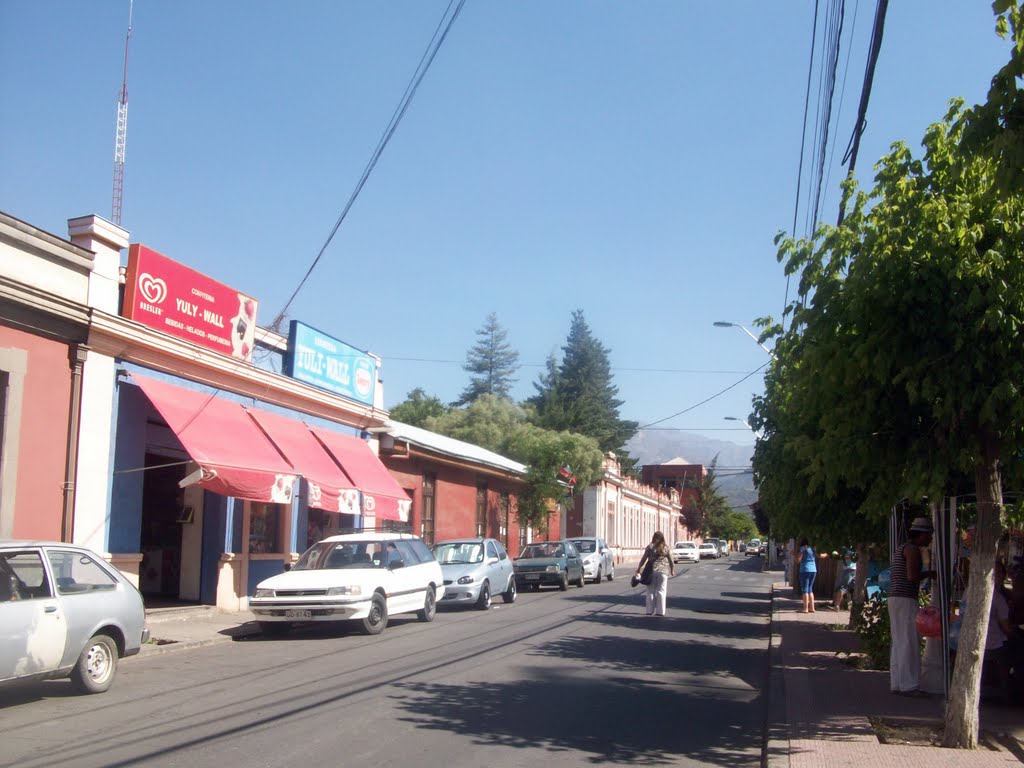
{"x":899,"y":584}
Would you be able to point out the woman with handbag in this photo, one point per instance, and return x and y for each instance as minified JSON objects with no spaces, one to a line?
{"x":654,"y":569}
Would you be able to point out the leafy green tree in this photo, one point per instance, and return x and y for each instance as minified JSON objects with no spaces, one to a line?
{"x":579,"y":395}
{"x":491,"y":363}
{"x":705,"y":509}
{"x":501,"y":426}
{"x":417,"y":408}
{"x":908,"y":318}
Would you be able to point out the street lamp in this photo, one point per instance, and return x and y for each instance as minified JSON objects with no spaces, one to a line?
{"x":741,"y":421}
{"x":723,"y":324}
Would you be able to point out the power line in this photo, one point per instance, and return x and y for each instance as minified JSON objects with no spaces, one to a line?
{"x":544,"y":365}
{"x":410,"y":91}
{"x":707,"y":399}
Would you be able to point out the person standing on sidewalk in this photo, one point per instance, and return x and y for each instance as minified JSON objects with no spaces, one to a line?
{"x":658,"y":554}
{"x":808,"y":571}
{"x":907,"y":575}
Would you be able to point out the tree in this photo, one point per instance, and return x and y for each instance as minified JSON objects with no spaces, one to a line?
{"x":579,"y":395}
{"x":706,"y":509}
{"x":417,"y":408}
{"x":491,"y":363}
{"x":501,"y":426}
{"x":907,"y":339}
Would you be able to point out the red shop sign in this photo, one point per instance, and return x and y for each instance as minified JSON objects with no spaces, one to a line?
{"x":170,"y":297}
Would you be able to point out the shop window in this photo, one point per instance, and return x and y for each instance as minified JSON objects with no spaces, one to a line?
{"x":265,"y":524}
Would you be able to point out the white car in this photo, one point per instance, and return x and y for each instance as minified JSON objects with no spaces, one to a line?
{"x":598,"y":560}
{"x":685,"y":552}
{"x":65,"y":612}
{"x":474,"y":570}
{"x":707,"y":549}
{"x":364,"y":577}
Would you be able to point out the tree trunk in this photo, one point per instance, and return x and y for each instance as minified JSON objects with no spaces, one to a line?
{"x":961,"y":729}
{"x":860,"y":585}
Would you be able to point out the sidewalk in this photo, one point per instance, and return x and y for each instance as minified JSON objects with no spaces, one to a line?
{"x":820,"y":705}
{"x":175,"y":629}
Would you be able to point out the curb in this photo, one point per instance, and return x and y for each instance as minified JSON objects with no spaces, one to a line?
{"x":775,"y":745}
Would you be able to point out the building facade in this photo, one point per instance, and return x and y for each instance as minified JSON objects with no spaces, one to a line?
{"x":458,"y":490}
{"x":625,"y":512}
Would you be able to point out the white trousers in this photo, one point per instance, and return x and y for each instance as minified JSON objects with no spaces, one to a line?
{"x":657,"y":592}
{"x":905,"y":655}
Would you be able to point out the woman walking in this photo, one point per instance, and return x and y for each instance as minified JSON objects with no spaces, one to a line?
{"x":808,"y":570}
{"x":658,"y":555}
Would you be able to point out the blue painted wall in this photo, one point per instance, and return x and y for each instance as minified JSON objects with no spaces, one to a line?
{"x":214,"y":534}
{"x":125,"y":526}
{"x":262,"y":569}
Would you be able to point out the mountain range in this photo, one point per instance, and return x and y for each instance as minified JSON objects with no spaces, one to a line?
{"x":735,"y":479}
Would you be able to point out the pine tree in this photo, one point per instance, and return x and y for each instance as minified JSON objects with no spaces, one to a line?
{"x":579,"y":396}
{"x":491,"y":363}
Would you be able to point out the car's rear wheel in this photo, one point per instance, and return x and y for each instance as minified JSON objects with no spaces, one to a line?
{"x":96,"y":667}
{"x":275,"y":628}
{"x":484,"y":601}
{"x":611,"y":573}
{"x":509,"y":595}
{"x":564,"y":583}
{"x":429,"y":605}
{"x":377,"y":618}
{"x":599,"y":576}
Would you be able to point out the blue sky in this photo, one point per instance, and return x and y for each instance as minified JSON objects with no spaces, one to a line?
{"x":630,"y":159}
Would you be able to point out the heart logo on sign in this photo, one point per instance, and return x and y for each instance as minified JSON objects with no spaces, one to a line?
{"x":154,"y":290}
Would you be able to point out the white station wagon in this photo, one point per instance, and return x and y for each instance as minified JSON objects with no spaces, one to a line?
{"x":364,"y":577}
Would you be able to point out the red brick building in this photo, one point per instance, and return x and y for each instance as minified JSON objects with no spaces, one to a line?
{"x":458,"y":489}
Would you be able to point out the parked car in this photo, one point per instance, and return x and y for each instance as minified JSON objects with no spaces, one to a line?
{"x":685,"y":552}
{"x":474,"y":570}
{"x":723,"y":547}
{"x":754,"y":547}
{"x":707,"y":549}
{"x":363,"y":577}
{"x":598,"y":560}
{"x":547,"y":563}
{"x":65,"y":612}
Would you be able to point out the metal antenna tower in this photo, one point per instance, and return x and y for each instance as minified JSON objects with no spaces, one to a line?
{"x":122,"y":129}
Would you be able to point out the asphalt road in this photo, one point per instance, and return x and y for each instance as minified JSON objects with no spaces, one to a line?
{"x":556,"y":679}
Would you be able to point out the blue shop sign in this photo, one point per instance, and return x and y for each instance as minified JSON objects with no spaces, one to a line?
{"x":326,"y":362}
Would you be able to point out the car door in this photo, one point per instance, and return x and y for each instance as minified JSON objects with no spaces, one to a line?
{"x":606,"y":555}
{"x":410,"y":578}
{"x":33,"y":627}
{"x":493,"y":563}
{"x":89,"y":594}
{"x":574,"y":562}
{"x":503,"y":568}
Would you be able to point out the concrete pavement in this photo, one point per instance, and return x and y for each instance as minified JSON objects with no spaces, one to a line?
{"x":820,"y":707}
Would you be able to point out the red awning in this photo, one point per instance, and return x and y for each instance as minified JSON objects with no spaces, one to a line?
{"x":383,"y":497}
{"x":236,"y":457}
{"x":329,"y":488}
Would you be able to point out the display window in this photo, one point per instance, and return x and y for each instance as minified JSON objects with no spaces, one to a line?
{"x":266,"y":523}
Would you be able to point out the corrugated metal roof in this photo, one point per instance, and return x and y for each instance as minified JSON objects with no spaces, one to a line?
{"x":452,"y":447}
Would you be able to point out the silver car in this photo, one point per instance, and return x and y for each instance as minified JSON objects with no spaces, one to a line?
{"x":474,"y":570}
{"x":598,"y":560}
{"x":65,"y":612}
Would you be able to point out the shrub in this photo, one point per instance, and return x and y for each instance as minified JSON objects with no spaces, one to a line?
{"x":871,"y":622}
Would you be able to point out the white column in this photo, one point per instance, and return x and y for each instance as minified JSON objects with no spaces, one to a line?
{"x":96,"y":428}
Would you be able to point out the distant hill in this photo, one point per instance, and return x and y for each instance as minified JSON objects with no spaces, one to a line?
{"x":653,"y":447}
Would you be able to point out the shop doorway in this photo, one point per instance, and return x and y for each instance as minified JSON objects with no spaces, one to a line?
{"x":163,"y":513}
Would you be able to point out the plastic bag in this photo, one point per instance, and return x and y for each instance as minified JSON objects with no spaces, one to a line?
{"x":928,"y":622}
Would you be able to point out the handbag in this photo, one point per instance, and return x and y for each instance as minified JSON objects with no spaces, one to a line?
{"x":928,"y":622}
{"x":645,"y":575}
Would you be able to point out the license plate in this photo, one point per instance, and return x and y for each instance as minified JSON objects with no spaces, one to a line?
{"x":532,"y":576}
{"x":298,"y":614}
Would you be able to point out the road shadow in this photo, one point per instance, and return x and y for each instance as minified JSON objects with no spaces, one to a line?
{"x":640,"y":700}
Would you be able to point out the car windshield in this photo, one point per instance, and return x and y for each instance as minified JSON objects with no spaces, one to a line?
{"x":585,"y":546}
{"x":542,"y":550}
{"x":459,"y":552}
{"x":334,"y":555}
{"x":684,"y":545}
